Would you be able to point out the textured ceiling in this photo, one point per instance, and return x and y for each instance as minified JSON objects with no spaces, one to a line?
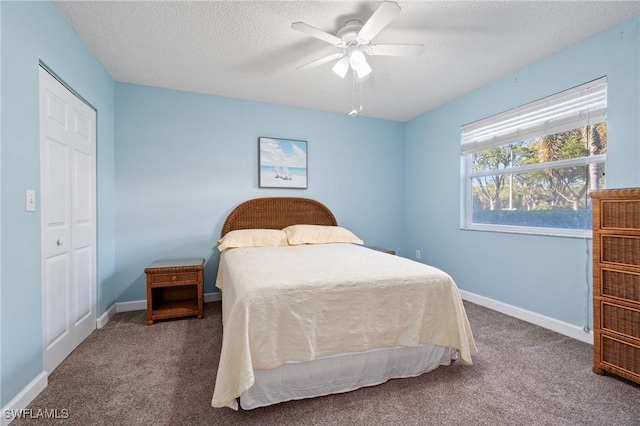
{"x":247,"y":49}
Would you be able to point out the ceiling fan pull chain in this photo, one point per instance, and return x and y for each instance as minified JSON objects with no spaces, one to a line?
{"x":360,"y":112}
{"x":353,"y":112}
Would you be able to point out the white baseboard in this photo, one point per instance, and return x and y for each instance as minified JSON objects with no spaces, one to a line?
{"x":106,"y":317}
{"x":140,"y":305}
{"x":553,"y":324}
{"x":212,"y":297}
{"x":549,"y":323}
{"x":564,"y":328}
{"x":134,"y":305}
{"x":23,"y":399}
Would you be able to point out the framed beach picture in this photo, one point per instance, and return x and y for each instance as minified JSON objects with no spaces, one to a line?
{"x":282,"y":163}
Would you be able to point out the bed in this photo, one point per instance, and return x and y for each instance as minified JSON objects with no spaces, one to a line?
{"x":309,"y":311}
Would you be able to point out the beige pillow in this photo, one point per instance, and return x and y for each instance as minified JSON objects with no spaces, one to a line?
{"x":253,"y":238}
{"x":319,"y":234}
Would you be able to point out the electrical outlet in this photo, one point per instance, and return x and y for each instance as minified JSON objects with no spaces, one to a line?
{"x":418,"y":254}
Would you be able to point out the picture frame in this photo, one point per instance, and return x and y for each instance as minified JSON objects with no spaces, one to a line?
{"x":282,"y":163}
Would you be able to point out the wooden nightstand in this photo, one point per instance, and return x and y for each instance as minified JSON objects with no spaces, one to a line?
{"x":175,"y":288}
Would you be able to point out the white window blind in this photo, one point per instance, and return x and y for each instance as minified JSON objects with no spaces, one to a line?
{"x":577,"y":107}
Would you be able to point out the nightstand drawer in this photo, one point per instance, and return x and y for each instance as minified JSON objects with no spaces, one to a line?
{"x":176,"y":278}
{"x":620,"y":319}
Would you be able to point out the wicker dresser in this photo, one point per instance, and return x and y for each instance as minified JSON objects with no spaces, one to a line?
{"x":616,"y":282}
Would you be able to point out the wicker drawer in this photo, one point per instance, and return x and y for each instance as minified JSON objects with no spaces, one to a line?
{"x":184,"y":277}
{"x":620,"y":214}
{"x":622,"y":356}
{"x":620,"y":250}
{"x":621,"y":285}
{"x":620,"y":319}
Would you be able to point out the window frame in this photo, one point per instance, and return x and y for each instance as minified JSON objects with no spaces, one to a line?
{"x":588,"y":116}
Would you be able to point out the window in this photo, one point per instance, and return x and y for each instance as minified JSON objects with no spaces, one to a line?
{"x":531,"y":169}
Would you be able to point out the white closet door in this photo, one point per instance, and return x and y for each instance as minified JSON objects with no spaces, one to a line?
{"x":68,"y":218}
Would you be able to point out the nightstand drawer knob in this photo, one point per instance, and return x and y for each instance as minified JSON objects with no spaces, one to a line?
{"x":59,"y":242}
{"x":174,"y":278}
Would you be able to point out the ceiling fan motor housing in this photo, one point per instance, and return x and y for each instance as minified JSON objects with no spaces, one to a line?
{"x":349,"y":32}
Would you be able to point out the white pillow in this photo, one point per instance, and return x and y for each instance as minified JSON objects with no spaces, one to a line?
{"x":319,"y":234}
{"x":253,"y":238}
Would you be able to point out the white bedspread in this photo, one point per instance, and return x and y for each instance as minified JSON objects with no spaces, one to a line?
{"x":297,"y":303}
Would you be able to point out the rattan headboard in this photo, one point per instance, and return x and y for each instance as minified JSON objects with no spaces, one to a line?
{"x":277,"y":213}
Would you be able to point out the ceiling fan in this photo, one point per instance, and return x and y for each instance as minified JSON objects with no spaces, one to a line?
{"x":354,"y":42}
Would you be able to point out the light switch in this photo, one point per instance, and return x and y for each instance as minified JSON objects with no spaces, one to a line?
{"x":30,"y":198}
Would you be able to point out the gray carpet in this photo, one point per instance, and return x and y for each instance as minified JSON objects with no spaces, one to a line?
{"x":128,"y":373}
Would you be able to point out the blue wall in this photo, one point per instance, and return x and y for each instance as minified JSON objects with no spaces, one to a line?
{"x":184,"y":160}
{"x":546,"y":275}
{"x":33,"y":31}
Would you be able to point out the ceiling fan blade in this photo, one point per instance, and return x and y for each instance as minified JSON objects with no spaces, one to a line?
{"x":376,"y":23}
{"x":395,"y":49}
{"x":314,"y":32}
{"x":321,"y":61}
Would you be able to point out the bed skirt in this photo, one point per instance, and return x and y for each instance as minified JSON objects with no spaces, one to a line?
{"x":342,"y":373}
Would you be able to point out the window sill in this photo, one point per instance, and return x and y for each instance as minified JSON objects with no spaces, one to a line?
{"x":543,"y":232}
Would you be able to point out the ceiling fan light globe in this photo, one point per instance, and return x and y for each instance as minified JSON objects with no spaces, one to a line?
{"x":341,"y":67}
{"x":363,"y":70}
{"x":356,"y":59}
